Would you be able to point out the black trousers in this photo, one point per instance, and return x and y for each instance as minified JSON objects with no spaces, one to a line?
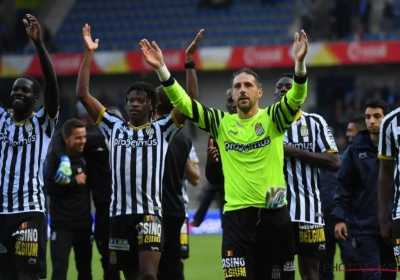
{"x":61,"y":243}
{"x":102,"y":238}
{"x":171,"y":266}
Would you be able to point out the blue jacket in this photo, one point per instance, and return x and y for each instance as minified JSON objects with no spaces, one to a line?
{"x":357,"y":188}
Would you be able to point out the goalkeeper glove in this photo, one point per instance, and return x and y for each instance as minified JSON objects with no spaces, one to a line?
{"x":64,"y":172}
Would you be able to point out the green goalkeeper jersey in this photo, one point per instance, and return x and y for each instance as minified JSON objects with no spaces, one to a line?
{"x":251,"y":149}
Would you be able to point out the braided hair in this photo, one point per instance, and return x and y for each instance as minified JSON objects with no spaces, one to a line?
{"x":150,"y":92}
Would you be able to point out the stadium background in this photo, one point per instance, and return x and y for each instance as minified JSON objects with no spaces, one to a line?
{"x":353,"y":55}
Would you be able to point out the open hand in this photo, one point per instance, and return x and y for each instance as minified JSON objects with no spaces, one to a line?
{"x":300,"y":48}
{"x":152,"y":54}
{"x":195,"y":44}
{"x":89,"y":44}
{"x":32,"y":28}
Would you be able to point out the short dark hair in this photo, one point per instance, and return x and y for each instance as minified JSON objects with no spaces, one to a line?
{"x":249,"y":72}
{"x":70,"y":125}
{"x":359,"y":121}
{"x":286,"y":75}
{"x":377,"y":103}
{"x":36,"y":86}
{"x":150,"y":92}
{"x":164,"y":106}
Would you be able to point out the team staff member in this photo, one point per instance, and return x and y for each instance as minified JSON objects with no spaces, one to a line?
{"x":174,"y":211}
{"x":214,"y":174}
{"x":70,"y":213}
{"x":309,"y":145}
{"x":26,"y":136}
{"x":192,"y":175}
{"x":255,"y":215}
{"x":99,"y":179}
{"x":347,"y":252}
{"x":357,"y":192}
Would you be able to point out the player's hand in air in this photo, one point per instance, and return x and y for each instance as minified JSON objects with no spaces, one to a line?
{"x":152,"y":54}
{"x":341,"y":231}
{"x":87,"y":38}
{"x":300,"y":47}
{"x":212,"y":152}
{"x":64,"y":172}
{"x":32,"y":28}
{"x":194,"y":45}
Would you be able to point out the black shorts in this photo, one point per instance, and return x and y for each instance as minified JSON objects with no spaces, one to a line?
{"x":185,"y":240}
{"x":132,"y":234}
{"x":257,"y":242}
{"x":23,"y":243}
{"x":309,"y":240}
{"x":396,"y":240}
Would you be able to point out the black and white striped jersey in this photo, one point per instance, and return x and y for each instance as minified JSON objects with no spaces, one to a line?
{"x":137,"y":157}
{"x":23,"y":149}
{"x":309,"y":132}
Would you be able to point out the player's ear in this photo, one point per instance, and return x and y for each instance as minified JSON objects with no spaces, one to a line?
{"x":260,"y":92}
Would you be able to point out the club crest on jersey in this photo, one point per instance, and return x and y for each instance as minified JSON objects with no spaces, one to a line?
{"x":28,"y":126}
{"x":304,"y":130}
{"x":259,"y":129}
{"x":149,"y":130}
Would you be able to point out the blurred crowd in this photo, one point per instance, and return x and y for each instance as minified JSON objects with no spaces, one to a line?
{"x":349,"y":103}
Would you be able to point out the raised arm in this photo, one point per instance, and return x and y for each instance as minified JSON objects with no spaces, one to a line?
{"x":91,"y":104}
{"x":191,"y":78}
{"x":386,"y":153}
{"x":51,"y":94}
{"x":203,"y":117}
{"x":283,"y":113}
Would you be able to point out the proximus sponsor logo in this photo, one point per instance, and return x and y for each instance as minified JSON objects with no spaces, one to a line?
{"x":240,"y":147}
{"x":23,"y":142}
{"x":130,"y":143}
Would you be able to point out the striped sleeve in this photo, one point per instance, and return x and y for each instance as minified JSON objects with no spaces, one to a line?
{"x":206,"y":119}
{"x":387,"y":143}
{"x":48,"y":124}
{"x":106,"y":122}
{"x":169,"y":126}
{"x":325,"y":140}
{"x":283,"y":113}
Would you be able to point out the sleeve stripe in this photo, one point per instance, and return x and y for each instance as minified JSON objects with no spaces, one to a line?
{"x":332,"y":151}
{"x":97,"y":122}
{"x":385,"y":157}
{"x":176,"y":122}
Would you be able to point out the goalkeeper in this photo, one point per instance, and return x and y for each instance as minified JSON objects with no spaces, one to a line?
{"x":70,"y":212}
{"x":256,"y":224}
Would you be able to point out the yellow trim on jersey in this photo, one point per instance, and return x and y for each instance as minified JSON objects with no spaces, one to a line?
{"x":331,"y":151}
{"x":23,"y":121}
{"x":97,"y":122}
{"x":176,"y":121}
{"x":137,"y":128}
{"x":385,"y":157}
{"x":194,"y":162}
{"x":298,"y":116}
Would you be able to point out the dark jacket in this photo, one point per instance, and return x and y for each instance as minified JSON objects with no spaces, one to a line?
{"x":70,"y":206}
{"x":97,"y":158}
{"x":357,"y":188}
{"x":214,"y":173}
